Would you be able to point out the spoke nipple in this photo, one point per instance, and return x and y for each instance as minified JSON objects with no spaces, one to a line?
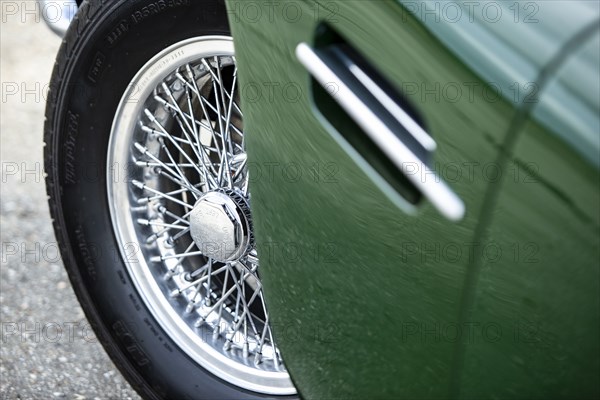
{"x":246,"y":350}
{"x":199,"y":322}
{"x":178,"y":74}
{"x":151,"y":239}
{"x":142,"y":221}
{"x":169,"y":275}
{"x":190,"y":307}
{"x":143,"y":201}
{"x":140,"y":148}
{"x":160,"y":100}
{"x":138,"y":184}
{"x":156,"y":259}
{"x":227,"y":345}
{"x":175,"y":293}
{"x":257,"y":359}
{"x":216,"y":332}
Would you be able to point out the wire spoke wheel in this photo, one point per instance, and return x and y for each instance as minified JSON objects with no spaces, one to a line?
{"x":177,"y":181}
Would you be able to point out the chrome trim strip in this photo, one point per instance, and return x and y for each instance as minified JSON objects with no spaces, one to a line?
{"x":401,"y":116}
{"x":427,"y":181}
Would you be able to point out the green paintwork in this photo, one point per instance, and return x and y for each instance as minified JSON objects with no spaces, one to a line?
{"x":542,"y":292}
{"x":365,"y":299}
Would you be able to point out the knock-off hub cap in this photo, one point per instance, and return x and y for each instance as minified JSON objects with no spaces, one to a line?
{"x":220,"y":225}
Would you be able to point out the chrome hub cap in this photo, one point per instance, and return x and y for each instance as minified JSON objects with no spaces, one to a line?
{"x":177,"y":182}
{"x":220,"y":226}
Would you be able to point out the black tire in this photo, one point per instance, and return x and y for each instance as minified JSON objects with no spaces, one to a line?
{"x":107,"y":43}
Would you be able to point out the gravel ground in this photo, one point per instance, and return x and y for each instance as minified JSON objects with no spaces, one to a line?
{"x":47,"y":349}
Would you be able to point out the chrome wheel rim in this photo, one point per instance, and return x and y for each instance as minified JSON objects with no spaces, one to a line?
{"x":177,"y":182}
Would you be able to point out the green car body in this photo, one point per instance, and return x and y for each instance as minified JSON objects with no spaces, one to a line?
{"x":368,"y":300}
